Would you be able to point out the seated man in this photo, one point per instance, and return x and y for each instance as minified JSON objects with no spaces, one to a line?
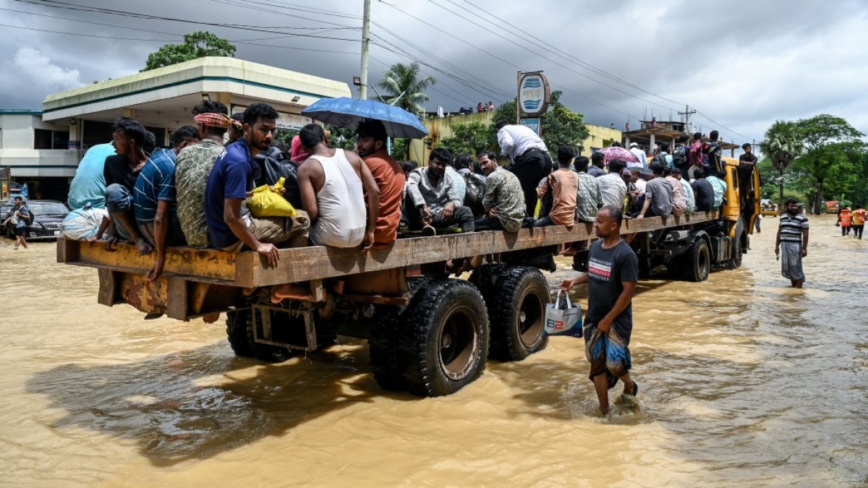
{"x":87,"y":194}
{"x":193,"y":167}
{"x":504,"y":197}
{"x":389,"y":175}
{"x":658,"y":195}
{"x":335,"y":185}
{"x":132,"y":144}
{"x":564,"y":186}
{"x":689,"y":198}
{"x":719,"y":189}
{"x":613,"y":190}
{"x":679,"y":199}
{"x":154,"y":203}
{"x":703,"y":191}
{"x":432,"y":199}
{"x":230,"y":225}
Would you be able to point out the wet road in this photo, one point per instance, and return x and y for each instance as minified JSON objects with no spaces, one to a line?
{"x":744,"y":382}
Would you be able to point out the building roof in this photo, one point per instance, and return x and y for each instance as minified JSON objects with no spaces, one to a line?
{"x":169,"y":93}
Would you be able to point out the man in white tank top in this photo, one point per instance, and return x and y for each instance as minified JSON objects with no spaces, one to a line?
{"x":335,"y":185}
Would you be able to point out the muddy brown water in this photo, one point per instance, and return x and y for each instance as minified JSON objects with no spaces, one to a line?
{"x":744,"y":382}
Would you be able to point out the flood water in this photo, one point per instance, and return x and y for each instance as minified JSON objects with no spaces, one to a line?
{"x":743,"y":382}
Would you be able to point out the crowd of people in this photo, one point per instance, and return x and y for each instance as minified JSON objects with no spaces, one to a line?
{"x":194,"y":193}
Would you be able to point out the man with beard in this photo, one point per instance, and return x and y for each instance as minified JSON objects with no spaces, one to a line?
{"x":230,"y":225}
{"x":793,"y":238}
{"x":613,"y":270}
{"x":433,"y":202}
{"x":389,"y":175}
{"x":503,"y":201}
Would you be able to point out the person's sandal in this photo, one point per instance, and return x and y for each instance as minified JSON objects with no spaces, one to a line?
{"x":429,"y":231}
{"x":635,"y":389}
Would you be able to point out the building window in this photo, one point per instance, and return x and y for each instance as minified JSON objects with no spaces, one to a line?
{"x":50,"y":139}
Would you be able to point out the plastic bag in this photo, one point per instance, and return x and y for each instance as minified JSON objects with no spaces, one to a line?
{"x":566,"y":321}
{"x":268,"y":202}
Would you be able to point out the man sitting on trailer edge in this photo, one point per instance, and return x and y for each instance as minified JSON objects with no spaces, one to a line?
{"x":503,"y":200}
{"x":432,"y":199}
{"x":389,"y":175}
{"x":230,"y":225}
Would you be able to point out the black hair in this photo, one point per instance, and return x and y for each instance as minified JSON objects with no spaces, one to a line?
{"x":132,"y":129}
{"x":150,"y":142}
{"x":501,"y":124}
{"x":614,"y":213}
{"x":699,"y":174}
{"x":789,"y":201}
{"x":464,"y":160}
{"x":442,"y":154}
{"x":598,"y":159}
{"x":667,"y":171}
{"x":310,"y":135}
{"x":581,"y":163}
{"x":616,"y":144}
{"x":683,"y":138}
{"x":657,"y":168}
{"x":697,"y":136}
{"x":489,"y":154}
{"x":372,"y":128}
{"x":745,"y":145}
{"x":616,"y":166}
{"x":239,"y":116}
{"x":409,"y":166}
{"x":211,"y":107}
{"x":258,"y":111}
{"x":565,"y":155}
{"x":186,"y":133}
{"x":713,"y":135}
{"x":664,"y":147}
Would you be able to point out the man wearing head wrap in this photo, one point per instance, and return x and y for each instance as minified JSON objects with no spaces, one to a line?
{"x":193,"y":166}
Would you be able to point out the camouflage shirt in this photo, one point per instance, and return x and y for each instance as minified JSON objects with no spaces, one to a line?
{"x":503,"y":192}
{"x":192,"y":168}
{"x":589,"y":198}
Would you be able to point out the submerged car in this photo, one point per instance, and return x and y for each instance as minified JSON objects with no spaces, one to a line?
{"x":47,"y":222}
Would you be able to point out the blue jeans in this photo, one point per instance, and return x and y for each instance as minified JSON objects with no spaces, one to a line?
{"x":118,"y":199}
{"x":544,"y":222}
{"x":488,"y":223}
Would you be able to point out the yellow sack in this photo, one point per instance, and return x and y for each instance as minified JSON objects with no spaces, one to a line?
{"x":268,"y":202}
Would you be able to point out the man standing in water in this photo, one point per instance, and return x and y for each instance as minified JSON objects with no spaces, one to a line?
{"x":793,"y":238}
{"x":613,"y":270}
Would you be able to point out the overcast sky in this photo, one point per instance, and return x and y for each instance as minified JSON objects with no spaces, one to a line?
{"x":741,"y":64}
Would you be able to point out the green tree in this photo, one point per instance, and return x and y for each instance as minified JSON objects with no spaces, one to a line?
{"x":782,"y":144}
{"x":832,"y":152}
{"x":472,"y":138}
{"x":196,"y":45}
{"x":560,"y":125}
{"x":403,"y":88}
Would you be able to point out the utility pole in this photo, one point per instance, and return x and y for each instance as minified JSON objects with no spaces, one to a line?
{"x":687,"y":113}
{"x":366,"y":29}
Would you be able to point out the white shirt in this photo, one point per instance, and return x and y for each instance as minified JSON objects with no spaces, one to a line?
{"x":643,"y":160}
{"x":515,"y":140}
{"x":640,"y":185}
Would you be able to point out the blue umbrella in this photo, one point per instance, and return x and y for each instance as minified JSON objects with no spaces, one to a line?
{"x":348,"y":112}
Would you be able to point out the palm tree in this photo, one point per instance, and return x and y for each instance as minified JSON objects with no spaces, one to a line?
{"x":402,"y":87}
{"x":782,"y":145}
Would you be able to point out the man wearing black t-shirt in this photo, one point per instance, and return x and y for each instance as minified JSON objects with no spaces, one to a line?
{"x":613,"y":270}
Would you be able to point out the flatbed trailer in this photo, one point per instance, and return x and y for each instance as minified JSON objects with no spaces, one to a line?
{"x":428,"y":333}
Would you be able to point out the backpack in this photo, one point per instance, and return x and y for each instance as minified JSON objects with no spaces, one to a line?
{"x":273,"y":164}
{"x":711,"y":157}
{"x":661,"y":160}
{"x":680,"y":157}
{"x":475,"y":192}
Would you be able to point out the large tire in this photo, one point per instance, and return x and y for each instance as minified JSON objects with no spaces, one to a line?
{"x":485,"y":278}
{"x":735,"y":259}
{"x":517,"y":317}
{"x":444,"y":338}
{"x":383,"y":351}
{"x":239,"y":330}
{"x":698,"y":261}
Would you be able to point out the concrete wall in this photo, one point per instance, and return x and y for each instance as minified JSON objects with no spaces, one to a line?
{"x":16,"y":148}
{"x":599,"y":138}
{"x":439,"y":129}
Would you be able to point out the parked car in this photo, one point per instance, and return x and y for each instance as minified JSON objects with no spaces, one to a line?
{"x":47,"y":222}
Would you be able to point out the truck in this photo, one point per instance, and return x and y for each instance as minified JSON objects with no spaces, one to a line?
{"x":428,"y":333}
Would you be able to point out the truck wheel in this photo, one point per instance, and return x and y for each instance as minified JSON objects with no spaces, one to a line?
{"x":485,"y":278}
{"x":444,"y":338}
{"x":735,"y":259}
{"x":383,"y":351}
{"x":239,"y":329}
{"x":699,"y":263}
{"x":517,"y":318}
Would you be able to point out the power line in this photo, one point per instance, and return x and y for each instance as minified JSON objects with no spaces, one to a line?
{"x":86,"y":35}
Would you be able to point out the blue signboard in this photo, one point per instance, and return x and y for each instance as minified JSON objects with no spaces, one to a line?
{"x":533,"y":124}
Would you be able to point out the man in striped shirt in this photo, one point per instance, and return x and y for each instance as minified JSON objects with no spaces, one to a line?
{"x":793,"y":240}
{"x":154,"y":198}
{"x":613,"y":190}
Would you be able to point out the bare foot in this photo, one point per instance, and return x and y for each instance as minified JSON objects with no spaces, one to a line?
{"x":143,"y":246}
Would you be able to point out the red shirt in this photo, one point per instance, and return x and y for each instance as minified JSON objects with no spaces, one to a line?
{"x":390,"y":180}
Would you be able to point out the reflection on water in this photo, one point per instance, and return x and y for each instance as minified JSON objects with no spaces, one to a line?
{"x":744,"y":381}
